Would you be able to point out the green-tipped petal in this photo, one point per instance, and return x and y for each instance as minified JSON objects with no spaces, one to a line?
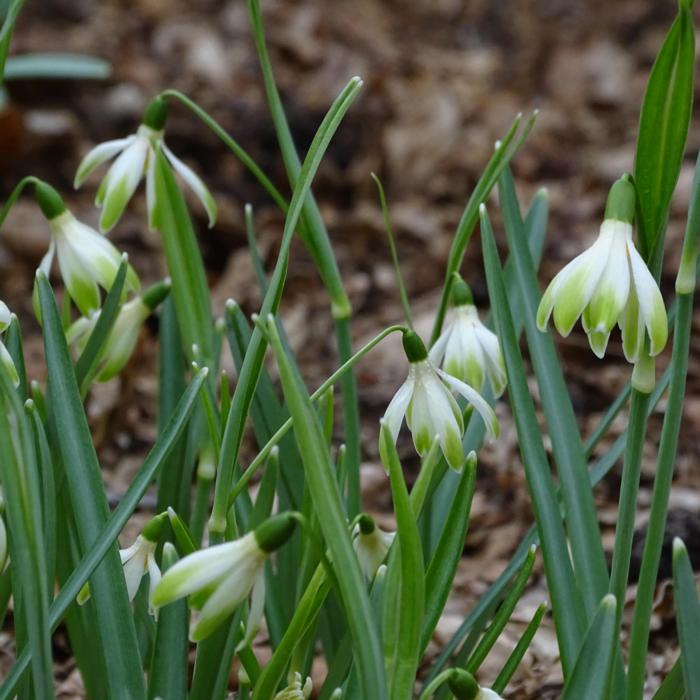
{"x":9,"y":367}
{"x":97,"y":156}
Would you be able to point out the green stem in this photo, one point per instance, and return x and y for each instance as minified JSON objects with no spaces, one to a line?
{"x":14,"y":195}
{"x":430,"y":689}
{"x":284,"y":428}
{"x":659,"y":501}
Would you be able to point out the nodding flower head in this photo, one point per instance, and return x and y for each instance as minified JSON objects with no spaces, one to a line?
{"x":610,"y":284}
{"x":125,"y":332}
{"x":218,"y":579}
{"x":467,"y":349}
{"x":371,"y":545}
{"x":135,"y":158}
{"x":5,"y":358}
{"x":86,"y":259}
{"x":425,"y":399}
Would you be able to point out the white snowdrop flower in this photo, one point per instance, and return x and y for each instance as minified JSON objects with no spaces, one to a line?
{"x":610,"y":284}
{"x":136,"y":158}
{"x":86,"y":259}
{"x":218,"y":579}
{"x":5,"y":358}
{"x":371,"y":545}
{"x":125,"y":332}
{"x":431,"y":411}
{"x":467,"y":349}
{"x":296,"y":690}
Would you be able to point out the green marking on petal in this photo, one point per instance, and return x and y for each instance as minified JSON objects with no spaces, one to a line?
{"x":452,"y":449}
{"x":114,"y":203}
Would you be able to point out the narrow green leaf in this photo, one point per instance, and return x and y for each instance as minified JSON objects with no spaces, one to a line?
{"x":560,"y":578}
{"x":569,"y":457}
{"x":60,"y":66}
{"x":8,"y":26}
{"x":439,"y":576}
{"x":252,"y":365}
{"x":589,"y":679}
{"x":412,"y":589}
{"x":13,"y":343}
{"x":324,"y":490}
{"x":108,"y":535}
{"x":663,"y":129}
{"x":687,"y":617}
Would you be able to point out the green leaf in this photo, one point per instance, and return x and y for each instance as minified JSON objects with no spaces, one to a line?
{"x":252,"y":365}
{"x":589,"y":679}
{"x":439,"y":576}
{"x":672,"y":687}
{"x":20,"y":480}
{"x":411,"y":598}
{"x":663,"y":129}
{"x":320,"y":479}
{"x":8,"y":26}
{"x":107,"y":536}
{"x":189,"y":283}
{"x":13,"y":343}
{"x":569,"y":456}
{"x":687,"y":617}
{"x":560,"y":578}
{"x":62,"y":66}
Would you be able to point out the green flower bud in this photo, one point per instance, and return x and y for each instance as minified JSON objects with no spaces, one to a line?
{"x":622,"y":200}
{"x":413,"y":347}
{"x":156,"y":114}
{"x":49,"y":201}
{"x":274,"y":532}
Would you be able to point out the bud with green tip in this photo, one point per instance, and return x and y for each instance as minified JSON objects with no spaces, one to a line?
{"x":425,"y":399}
{"x":218,"y":579}
{"x":467,"y":349}
{"x":610,"y":284}
{"x":136,"y":157}
{"x":5,"y":357}
{"x":371,"y":545}
{"x":125,"y":332}
{"x":87,"y":260}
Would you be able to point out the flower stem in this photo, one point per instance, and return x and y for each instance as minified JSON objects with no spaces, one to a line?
{"x":659,"y":503}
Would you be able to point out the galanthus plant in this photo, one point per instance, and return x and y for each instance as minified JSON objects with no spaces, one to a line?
{"x":256,"y":535}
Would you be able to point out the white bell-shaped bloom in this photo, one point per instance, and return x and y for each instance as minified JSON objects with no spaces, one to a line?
{"x":467,"y":349}
{"x":218,"y":579}
{"x":488,"y":694}
{"x":87,"y":261}
{"x":5,"y":358}
{"x":124,"y":334}
{"x":610,"y":284}
{"x":296,"y":690}
{"x":371,"y":545}
{"x":425,"y":399}
{"x":138,"y":560}
{"x":136,"y":158}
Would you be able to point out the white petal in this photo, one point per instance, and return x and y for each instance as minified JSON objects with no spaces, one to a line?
{"x":255,"y":614}
{"x":437,"y":352}
{"x":9,"y":365}
{"x":195,"y":183}
{"x":488,"y":694}
{"x":134,"y":569}
{"x":5,"y":316}
{"x":495,"y":366}
{"x":396,"y":410}
{"x":154,"y":577}
{"x":98,"y":155}
{"x":474,"y":398}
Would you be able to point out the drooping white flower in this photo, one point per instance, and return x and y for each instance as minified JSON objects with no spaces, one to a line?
{"x":135,"y":158}
{"x":425,"y":399}
{"x":371,"y":545}
{"x":5,"y":358}
{"x":466,"y":348}
{"x":296,"y":690}
{"x":218,"y":579}
{"x":87,"y":260}
{"x":610,"y":284}
{"x":125,"y":332}
{"x":138,"y":560}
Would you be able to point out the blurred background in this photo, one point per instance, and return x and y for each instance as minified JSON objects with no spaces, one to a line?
{"x":443,"y":81}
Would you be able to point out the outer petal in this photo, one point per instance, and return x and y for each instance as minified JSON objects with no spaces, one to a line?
{"x":257,"y":608}
{"x":632,"y":327}
{"x":195,"y":183}
{"x":78,"y":279}
{"x":474,"y":398}
{"x":651,"y":304}
{"x":201,"y":568}
{"x":495,"y":366}
{"x":5,"y":316}
{"x":464,"y":357}
{"x":488,"y":694}
{"x":98,"y":155}
{"x":122,"y":180}
{"x":437,"y":352}
{"x":134,"y":569}
{"x":396,"y":410}
{"x":9,"y":366}
{"x":446,"y":421}
{"x":154,"y":577}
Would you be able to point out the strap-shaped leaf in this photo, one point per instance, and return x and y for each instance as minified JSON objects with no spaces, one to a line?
{"x":663,"y":128}
{"x":687,"y":618}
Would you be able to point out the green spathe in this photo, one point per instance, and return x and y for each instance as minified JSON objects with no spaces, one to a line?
{"x":414,"y":347}
{"x":275,"y":531}
{"x":622,"y":200}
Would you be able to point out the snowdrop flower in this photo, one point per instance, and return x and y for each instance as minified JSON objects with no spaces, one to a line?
{"x":125,"y":332}
{"x":610,"y":284}
{"x":466,"y":349}
{"x":429,"y":407}
{"x":135,"y":157}
{"x":295,"y":690}
{"x":5,"y":358}
{"x":463,"y":686}
{"x":87,"y":260}
{"x":371,"y":545}
{"x":218,"y":579}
